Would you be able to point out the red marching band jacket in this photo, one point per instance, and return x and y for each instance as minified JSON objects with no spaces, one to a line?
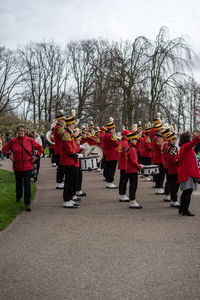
{"x":146,"y":146}
{"x":164,"y":152}
{"x":22,"y":160}
{"x":121,"y":154}
{"x":132,"y":165}
{"x":156,"y":150}
{"x":52,"y":146}
{"x":90,"y":139}
{"x":110,"y":144}
{"x":68,"y":149}
{"x":172,"y":159}
{"x":188,"y":165}
{"x":58,"y":131}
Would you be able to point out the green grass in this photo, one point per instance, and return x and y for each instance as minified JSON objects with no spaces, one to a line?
{"x":46,"y":151}
{"x":9,"y":209}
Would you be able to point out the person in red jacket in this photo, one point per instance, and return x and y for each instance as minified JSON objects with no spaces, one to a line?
{"x":164,"y":152}
{"x":58,"y":130}
{"x":79,"y":148}
{"x":132,"y":168}
{"x":110,"y":144}
{"x":90,"y":138}
{"x":122,"y":166}
{"x":157,"y":159}
{"x":188,"y":171}
{"x":146,"y":149}
{"x":68,"y":160}
{"x":22,"y":157}
{"x":172,"y":169}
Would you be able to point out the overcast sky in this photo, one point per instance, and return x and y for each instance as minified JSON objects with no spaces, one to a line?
{"x":66,"y":20}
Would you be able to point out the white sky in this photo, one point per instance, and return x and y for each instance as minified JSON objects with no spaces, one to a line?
{"x":66,"y":20}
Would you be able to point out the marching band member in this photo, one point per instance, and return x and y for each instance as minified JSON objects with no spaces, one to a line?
{"x":172,"y":169}
{"x":146,"y":149}
{"x":139,"y":140}
{"x":132,"y":168}
{"x":58,"y":131}
{"x":103,"y":130}
{"x":68,"y":160}
{"x":164,"y":151}
{"x":90,"y":138}
{"x":52,"y":147}
{"x":188,"y":171}
{"x":122,"y":166}
{"x":156,"y":121}
{"x":110,"y":144}
{"x":79,"y":148}
{"x":83,"y":135}
{"x":157,"y":159}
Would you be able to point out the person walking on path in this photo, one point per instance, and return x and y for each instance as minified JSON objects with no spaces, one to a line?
{"x":188,"y":171}
{"x":20,"y":151}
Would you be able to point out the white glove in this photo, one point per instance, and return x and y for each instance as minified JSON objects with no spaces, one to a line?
{"x":80,"y":155}
{"x":142,"y":166}
{"x":81,"y":146}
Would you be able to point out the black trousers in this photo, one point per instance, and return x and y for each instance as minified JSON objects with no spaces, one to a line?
{"x":123,"y":182}
{"x":185,"y":200}
{"x":167,"y":185}
{"x":70,"y":183}
{"x":60,"y":170}
{"x":53,"y":156}
{"x":79,"y":179}
{"x":75,"y":180}
{"x":110,"y":168}
{"x":173,"y":184}
{"x":133,"y":180}
{"x":23,"y":178}
{"x":103,"y":162}
{"x":159,"y":178}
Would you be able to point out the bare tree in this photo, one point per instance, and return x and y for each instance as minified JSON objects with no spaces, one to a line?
{"x":10,"y":79}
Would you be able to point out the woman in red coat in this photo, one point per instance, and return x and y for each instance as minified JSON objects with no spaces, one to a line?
{"x":188,"y":171}
{"x":22,"y":157}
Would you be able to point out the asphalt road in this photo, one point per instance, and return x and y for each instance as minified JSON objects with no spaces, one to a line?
{"x":102,"y":250}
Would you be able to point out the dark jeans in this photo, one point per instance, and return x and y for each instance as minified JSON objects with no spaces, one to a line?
{"x":173,"y":185}
{"x":70,"y":182}
{"x":23,"y":177}
{"x":123,"y":182}
{"x":60,"y":170}
{"x":159,"y":178}
{"x":133,"y":179}
{"x":79,"y":180}
{"x":110,"y":168}
{"x":185,"y":200}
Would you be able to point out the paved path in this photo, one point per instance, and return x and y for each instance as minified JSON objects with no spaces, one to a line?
{"x":102,"y":250}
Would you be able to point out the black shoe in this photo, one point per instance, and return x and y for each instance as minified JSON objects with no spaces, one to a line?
{"x":188,"y":213}
{"x":27,"y":207}
{"x":77,"y":200}
{"x":82,"y":195}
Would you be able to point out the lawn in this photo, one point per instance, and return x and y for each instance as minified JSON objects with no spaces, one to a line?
{"x":46,"y":151}
{"x":9,"y":209}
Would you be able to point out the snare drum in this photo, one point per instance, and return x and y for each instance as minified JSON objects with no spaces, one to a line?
{"x":89,"y":163}
{"x":150,"y":170}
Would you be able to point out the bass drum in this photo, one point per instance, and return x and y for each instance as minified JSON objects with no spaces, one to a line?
{"x":94,"y":151}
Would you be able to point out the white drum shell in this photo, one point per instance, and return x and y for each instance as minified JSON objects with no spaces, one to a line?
{"x":89,"y":163}
{"x":150,"y":170}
